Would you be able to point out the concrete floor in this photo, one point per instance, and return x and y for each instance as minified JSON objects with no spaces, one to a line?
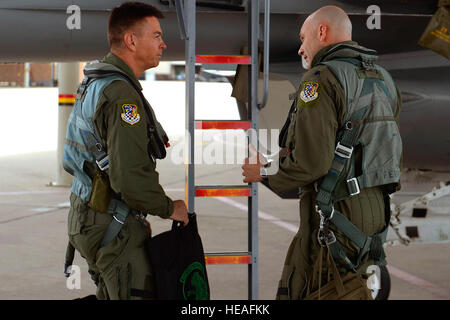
{"x":33,"y":236}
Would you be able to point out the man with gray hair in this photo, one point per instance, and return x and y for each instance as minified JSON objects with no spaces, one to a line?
{"x":344,"y":152}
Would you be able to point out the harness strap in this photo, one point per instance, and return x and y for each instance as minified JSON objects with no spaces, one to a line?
{"x":338,"y":254}
{"x":347,"y":138}
{"x":120,"y":211}
{"x":343,"y":152}
{"x":372,"y":244}
{"x":349,"y":229}
{"x":101,"y":157}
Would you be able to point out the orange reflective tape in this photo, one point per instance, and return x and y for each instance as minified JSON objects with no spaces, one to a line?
{"x":223,"y":59}
{"x":226,"y":192}
{"x":222,"y":125}
{"x":228,"y":260}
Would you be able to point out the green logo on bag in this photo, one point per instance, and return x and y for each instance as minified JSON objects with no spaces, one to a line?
{"x":194,"y":282}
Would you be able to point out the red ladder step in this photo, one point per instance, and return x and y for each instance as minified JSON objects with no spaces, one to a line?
{"x":223,"y":59}
{"x":222,"y":191}
{"x":222,"y":124}
{"x":228,"y":258}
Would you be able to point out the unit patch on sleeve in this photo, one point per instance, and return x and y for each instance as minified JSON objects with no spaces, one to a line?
{"x":310,"y":91}
{"x":130,"y":113}
{"x":309,"y":94}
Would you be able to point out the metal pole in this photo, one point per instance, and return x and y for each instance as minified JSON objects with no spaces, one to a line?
{"x":189,"y":9}
{"x":26,"y":82}
{"x":253,"y":27}
{"x":266,"y":53}
{"x":68,"y":80}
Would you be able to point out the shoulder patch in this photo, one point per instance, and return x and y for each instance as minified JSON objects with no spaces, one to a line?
{"x":310,"y":91}
{"x":130,"y":113}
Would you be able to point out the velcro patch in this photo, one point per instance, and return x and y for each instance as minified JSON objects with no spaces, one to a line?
{"x":130,"y":113}
{"x":310,"y":91}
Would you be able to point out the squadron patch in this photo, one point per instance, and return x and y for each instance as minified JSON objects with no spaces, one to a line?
{"x":310,"y":91}
{"x":130,"y":114}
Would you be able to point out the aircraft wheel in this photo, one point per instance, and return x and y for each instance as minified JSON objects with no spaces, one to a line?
{"x":379,"y":283}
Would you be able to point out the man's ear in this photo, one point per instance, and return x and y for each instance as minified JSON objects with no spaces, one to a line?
{"x":129,"y":41}
{"x":323,"y":32}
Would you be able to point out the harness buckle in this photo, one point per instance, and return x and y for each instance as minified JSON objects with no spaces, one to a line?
{"x":103,"y":163}
{"x":121,"y":222}
{"x":326,"y":238}
{"x":343,"y":151}
{"x":331,"y":238}
{"x":353,"y":184}
{"x":321,"y":214}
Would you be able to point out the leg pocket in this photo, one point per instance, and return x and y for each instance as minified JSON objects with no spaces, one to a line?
{"x":283,"y":292}
{"x":117,"y":281}
{"x":283,"y":284}
{"x":73,"y":223}
{"x":297,"y":283}
{"x":285,"y":288}
{"x":114,"y":251}
{"x":125,"y":265}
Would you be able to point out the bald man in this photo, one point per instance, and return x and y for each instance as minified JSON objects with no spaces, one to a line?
{"x":318,"y":150}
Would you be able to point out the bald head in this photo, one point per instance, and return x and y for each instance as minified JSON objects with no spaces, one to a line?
{"x":340,"y":26}
{"x":328,"y":25}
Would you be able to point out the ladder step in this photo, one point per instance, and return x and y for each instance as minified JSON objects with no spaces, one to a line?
{"x":222,"y":191}
{"x":222,"y":124}
{"x":223,"y":59}
{"x":228,"y":258}
{"x":66,"y":99}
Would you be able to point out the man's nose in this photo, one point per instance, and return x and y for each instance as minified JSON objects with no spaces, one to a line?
{"x":163,"y":45}
{"x":300,"y":50}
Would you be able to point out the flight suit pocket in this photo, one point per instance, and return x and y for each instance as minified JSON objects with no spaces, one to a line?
{"x":297,"y":283}
{"x":115,"y":251}
{"x":77,"y":215}
{"x":117,"y":281}
{"x":73,"y":223}
{"x":288,"y":260}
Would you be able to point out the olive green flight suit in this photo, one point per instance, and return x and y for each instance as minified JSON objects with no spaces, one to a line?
{"x":121,"y":269}
{"x":311,"y":139}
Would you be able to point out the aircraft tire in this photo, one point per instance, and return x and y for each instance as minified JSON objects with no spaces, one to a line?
{"x":385,"y":284}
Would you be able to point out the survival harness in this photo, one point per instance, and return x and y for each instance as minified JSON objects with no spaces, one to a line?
{"x":90,"y":142}
{"x":369,"y":122}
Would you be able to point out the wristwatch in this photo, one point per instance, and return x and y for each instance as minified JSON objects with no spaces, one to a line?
{"x":263,"y":170}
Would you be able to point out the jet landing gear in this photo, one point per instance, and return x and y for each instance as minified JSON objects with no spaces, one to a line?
{"x":379,"y":282}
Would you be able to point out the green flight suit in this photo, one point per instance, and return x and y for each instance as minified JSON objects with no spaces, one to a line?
{"x":121,"y":269}
{"x":311,"y":138}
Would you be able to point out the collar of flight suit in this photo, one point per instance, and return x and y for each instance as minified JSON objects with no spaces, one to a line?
{"x":119,"y":63}
{"x":350,"y":49}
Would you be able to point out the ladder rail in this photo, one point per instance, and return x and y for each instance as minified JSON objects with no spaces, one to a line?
{"x":253,"y":30}
{"x":187,"y":25}
{"x":190,"y":15}
{"x":266,"y":53}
